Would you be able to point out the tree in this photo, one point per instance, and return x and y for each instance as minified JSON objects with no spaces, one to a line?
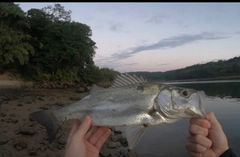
{"x":57,"y":13}
{"x":67,"y":48}
{"x":14,"y":47}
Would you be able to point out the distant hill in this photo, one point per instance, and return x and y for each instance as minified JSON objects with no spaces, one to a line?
{"x":222,"y":69}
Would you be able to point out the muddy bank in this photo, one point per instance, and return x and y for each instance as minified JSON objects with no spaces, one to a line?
{"x":21,"y":137}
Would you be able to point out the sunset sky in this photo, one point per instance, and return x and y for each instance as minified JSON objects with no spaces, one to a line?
{"x":157,"y":36}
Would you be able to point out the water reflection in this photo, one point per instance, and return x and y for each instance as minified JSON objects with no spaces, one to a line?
{"x":168,"y":140}
{"x":223,"y":89}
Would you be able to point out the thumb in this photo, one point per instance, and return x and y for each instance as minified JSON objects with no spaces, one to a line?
{"x":213,"y":121}
{"x":84,"y":127}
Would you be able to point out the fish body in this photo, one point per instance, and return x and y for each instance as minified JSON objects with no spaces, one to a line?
{"x":130,"y":102}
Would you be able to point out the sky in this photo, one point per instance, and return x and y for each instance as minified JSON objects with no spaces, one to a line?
{"x":157,"y":36}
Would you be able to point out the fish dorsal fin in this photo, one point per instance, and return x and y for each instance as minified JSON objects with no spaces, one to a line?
{"x":95,"y":88}
{"x":126,"y":79}
{"x":134,"y":134}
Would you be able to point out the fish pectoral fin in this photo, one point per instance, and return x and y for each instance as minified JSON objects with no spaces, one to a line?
{"x":134,"y":134}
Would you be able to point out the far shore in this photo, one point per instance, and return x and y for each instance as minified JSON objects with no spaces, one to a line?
{"x":9,"y":82}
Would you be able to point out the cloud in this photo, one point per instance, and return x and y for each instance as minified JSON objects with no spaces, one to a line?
{"x":163,"y":64}
{"x":116,"y":27}
{"x":157,"y":19}
{"x":171,"y":42}
{"x":237,"y":32}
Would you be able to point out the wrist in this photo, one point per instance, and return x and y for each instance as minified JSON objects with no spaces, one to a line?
{"x":222,"y":151}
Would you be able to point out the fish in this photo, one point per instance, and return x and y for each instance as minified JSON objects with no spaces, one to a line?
{"x":131,"y":102}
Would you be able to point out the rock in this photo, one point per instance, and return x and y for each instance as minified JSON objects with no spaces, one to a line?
{"x":27,"y":131}
{"x":14,"y":121}
{"x":80,"y":90}
{"x":59,"y":104}
{"x":41,"y":99}
{"x":123,"y":151}
{"x":20,"y":145}
{"x":3,"y":140}
{"x":51,"y":147}
{"x":19,"y":104}
{"x":104,"y":152}
{"x":116,"y":138}
{"x":12,"y":115}
{"x":74,"y":98}
{"x":58,"y":135}
{"x":3,"y":114}
{"x":28,"y":102}
{"x":118,"y":132}
{"x":59,"y":146}
{"x":43,"y":108}
{"x":124,"y":142}
{"x":111,"y":144}
{"x":32,"y":152}
{"x":61,"y":141}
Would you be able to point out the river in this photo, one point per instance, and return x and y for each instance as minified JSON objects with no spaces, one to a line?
{"x":168,"y":140}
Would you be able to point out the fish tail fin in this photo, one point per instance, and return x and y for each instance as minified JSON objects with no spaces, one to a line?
{"x":47,"y":119}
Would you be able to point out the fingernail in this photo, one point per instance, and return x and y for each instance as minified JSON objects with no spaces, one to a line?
{"x":86,"y":119}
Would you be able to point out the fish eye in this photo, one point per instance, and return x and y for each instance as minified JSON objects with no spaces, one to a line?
{"x":185,"y":93}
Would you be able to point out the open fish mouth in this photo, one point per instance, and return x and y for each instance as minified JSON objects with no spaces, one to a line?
{"x":197,"y":110}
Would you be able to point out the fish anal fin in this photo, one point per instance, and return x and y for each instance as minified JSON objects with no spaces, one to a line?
{"x":47,"y":119}
{"x":134,"y":134}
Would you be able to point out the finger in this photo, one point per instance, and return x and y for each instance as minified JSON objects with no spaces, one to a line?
{"x":201,"y":122}
{"x":92,"y":130}
{"x":103,"y":138}
{"x":73,"y":130}
{"x":96,"y":136}
{"x":213,"y":121}
{"x":196,"y":129}
{"x":84,"y":127}
{"x":201,"y":140}
{"x":195,"y":154}
{"x":193,"y":147}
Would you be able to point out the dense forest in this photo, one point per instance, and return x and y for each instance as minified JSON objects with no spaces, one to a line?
{"x":222,"y":69}
{"x":45,"y":45}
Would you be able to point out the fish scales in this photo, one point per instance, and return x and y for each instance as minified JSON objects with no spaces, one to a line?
{"x":128,"y":105}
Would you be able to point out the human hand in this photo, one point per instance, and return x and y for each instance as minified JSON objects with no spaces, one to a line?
{"x":85,"y":140}
{"x":206,"y":138}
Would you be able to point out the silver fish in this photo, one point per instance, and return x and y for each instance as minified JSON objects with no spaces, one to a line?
{"x":130,"y":101}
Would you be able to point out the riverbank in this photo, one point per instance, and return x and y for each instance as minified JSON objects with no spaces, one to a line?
{"x":21,"y":137}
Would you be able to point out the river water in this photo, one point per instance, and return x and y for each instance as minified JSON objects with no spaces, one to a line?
{"x":168,"y":140}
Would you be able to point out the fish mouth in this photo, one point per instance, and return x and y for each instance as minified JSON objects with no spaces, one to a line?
{"x":202,"y":97}
{"x":198,"y":110}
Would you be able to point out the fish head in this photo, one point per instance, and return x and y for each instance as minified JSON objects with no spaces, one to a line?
{"x":179,"y":103}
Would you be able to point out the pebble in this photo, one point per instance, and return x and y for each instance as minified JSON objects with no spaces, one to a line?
{"x":20,"y":145}
{"x":111,"y":144}
{"x":124,"y":142}
{"x":61,"y":141}
{"x":32,"y":152}
{"x":3,"y":114}
{"x":3,"y":140}
{"x":27,"y":131}
{"x":116,"y":138}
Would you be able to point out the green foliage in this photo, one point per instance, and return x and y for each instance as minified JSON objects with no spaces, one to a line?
{"x":210,"y":70}
{"x":14,"y":47}
{"x":57,"y":13}
{"x":44,"y":45}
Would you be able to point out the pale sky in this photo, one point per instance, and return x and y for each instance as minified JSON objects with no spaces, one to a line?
{"x":157,"y":36}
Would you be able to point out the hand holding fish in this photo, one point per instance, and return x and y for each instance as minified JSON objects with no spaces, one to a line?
{"x":84,"y":140}
{"x":207,"y":138}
